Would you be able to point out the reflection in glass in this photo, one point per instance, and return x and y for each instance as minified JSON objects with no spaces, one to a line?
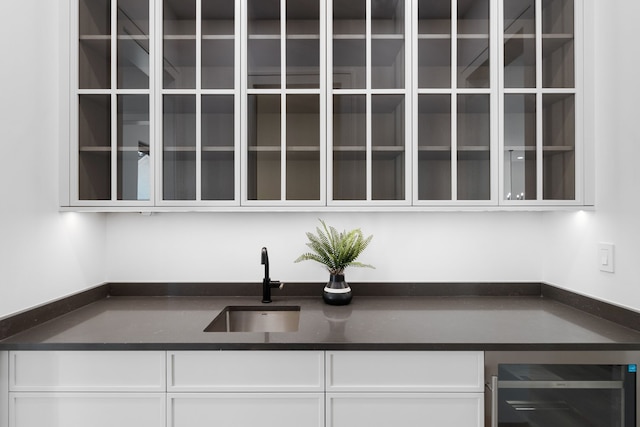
{"x":349,"y":44}
{"x":519,"y":43}
{"x":263,"y":45}
{"x":473,"y":139}
{"x":388,"y":150}
{"x":218,"y":141}
{"x":264,"y":140}
{"x":179,"y":44}
{"x":434,"y":147}
{"x":94,"y":51}
{"x":303,"y":147}
{"x":134,"y":177}
{"x":558,"y":58}
{"x":133,"y":44}
{"x":94,"y":133}
{"x":349,"y":147}
{"x":473,"y":63}
{"x":558,"y":134}
{"x":520,"y":156}
{"x":303,"y":44}
{"x":473,"y":44}
{"x":179,"y":147}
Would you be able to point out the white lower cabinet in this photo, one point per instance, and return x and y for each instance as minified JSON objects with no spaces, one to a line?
{"x":241,"y":388}
{"x":246,"y":389}
{"x":405,"y":389}
{"x":87,"y":388}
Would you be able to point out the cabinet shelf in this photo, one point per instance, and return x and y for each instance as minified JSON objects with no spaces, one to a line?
{"x":92,"y":37}
{"x":444,"y":36}
{"x":96,"y":149}
{"x":220,"y":149}
{"x":218,"y":37}
{"x":473,"y":36}
{"x":179,"y":37}
{"x":173,"y":149}
{"x":434,"y":153}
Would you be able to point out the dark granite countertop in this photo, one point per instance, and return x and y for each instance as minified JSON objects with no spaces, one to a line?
{"x":368,"y":323}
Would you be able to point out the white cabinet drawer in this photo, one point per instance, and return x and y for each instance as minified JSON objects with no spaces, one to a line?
{"x":405,"y":409}
{"x":246,"y":410}
{"x":238,"y":371}
{"x":377,"y":371}
{"x":87,"y":410}
{"x":87,"y":371}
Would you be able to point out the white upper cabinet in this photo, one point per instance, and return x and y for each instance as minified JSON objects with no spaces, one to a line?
{"x":325,"y":104}
{"x":542,"y":153}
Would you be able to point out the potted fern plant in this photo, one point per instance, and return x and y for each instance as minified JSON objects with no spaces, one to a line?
{"x":336,"y":251}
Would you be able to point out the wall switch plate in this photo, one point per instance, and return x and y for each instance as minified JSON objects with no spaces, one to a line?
{"x":605,"y":257}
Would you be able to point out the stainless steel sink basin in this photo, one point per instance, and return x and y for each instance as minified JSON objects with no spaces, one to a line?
{"x":236,"y":318}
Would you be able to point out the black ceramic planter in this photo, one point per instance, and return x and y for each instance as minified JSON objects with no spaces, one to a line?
{"x":337,"y":291}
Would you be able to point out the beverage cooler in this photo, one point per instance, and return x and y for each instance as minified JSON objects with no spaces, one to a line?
{"x":561,"y":389}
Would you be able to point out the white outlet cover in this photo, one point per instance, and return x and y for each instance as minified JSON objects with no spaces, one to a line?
{"x":606,"y":257}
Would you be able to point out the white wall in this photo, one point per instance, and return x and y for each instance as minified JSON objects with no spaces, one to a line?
{"x":422,"y":247}
{"x":43,"y":254}
{"x":571,"y":257}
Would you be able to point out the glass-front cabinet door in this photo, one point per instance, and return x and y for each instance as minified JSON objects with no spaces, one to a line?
{"x":112,"y":100}
{"x":454,"y":120}
{"x":284,"y":85}
{"x":540,"y":159}
{"x":200,"y":102}
{"x":327,"y":103}
{"x":369,"y":148}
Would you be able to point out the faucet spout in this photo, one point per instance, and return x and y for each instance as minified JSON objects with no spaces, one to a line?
{"x":267,"y":283}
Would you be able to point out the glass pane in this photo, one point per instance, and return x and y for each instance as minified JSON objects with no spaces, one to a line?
{"x":558,"y":43}
{"x":263,"y":45}
{"x":218,"y":34}
{"x":94,"y":52}
{"x":94,"y":132}
{"x":179,"y":147}
{"x":218,"y":144}
{"x":179,"y":48}
{"x":303,"y":44}
{"x":434,"y":147}
{"x":303,"y":147}
{"x":474,"y":134}
{"x":388,"y":150}
{"x":133,"y":44}
{"x":264,"y":139}
{"x":519,"y":43}
{"x":349,"y":44}
{"x":349,"y":147}
{"x":434,"y":63}
{"x":520,"y":147}
{"x":473,"y":44}
{"x":134,"y":176}
{"x":434,"y":43}
{"x":387,"y":44}
{"x":558,"y":133}
{"x":387,"y":63}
